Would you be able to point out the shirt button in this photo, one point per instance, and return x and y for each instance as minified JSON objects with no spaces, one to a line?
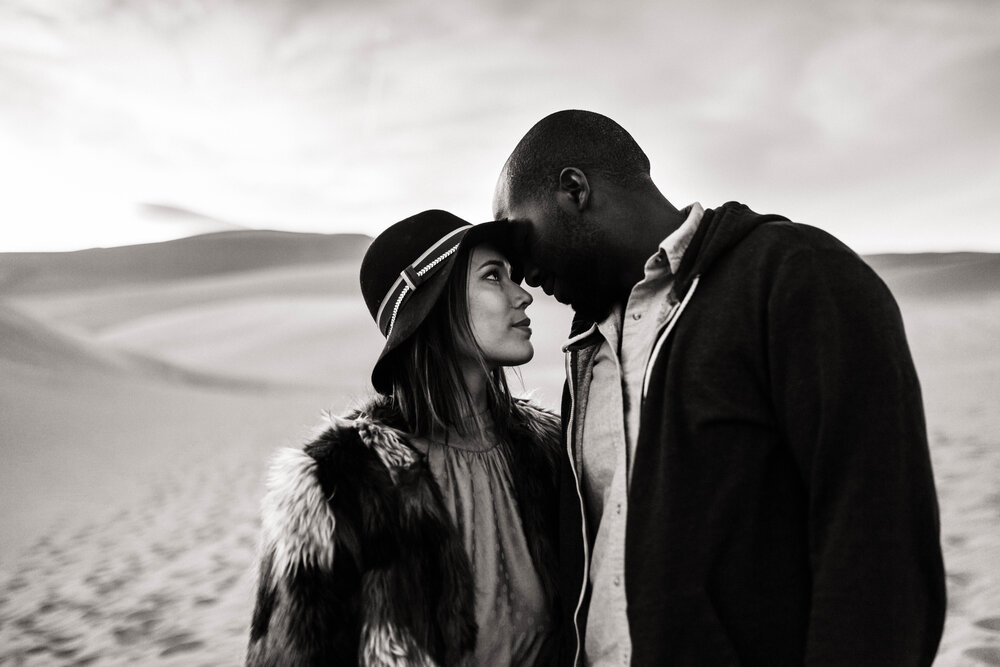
{"x":636,"y":316}
{"x":617,"y":580}
{"x":618,"y":509}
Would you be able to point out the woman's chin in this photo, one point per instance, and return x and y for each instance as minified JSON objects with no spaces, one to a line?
{"x":524,"y":358}
{"x":514,"y":359}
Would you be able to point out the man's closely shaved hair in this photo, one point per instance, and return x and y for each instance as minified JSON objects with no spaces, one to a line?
{"x":593,"y":143}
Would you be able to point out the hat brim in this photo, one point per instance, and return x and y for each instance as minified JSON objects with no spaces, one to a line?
{"x":421,"y":301}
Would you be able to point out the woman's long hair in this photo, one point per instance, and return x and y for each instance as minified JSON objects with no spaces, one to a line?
{"x":428,"y":387}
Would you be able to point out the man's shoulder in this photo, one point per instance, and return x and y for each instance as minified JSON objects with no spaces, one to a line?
{"x":792,"y":237}
{"x":777,"y":243}
{"x":796,"y":254}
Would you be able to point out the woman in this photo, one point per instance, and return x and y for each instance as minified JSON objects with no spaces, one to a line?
{"x":419,"y":529}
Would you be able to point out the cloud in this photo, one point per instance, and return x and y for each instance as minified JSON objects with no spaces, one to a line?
{"x":348,"y":116}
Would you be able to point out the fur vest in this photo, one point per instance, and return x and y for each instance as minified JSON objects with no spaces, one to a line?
{"x":360,"y":560}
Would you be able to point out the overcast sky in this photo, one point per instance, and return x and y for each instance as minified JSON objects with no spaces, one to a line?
{"x":878,"y":121}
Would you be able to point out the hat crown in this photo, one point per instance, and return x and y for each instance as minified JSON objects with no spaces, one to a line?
{"x":397,"y":248}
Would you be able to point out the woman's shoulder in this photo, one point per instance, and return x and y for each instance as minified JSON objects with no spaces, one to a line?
{"x":353,"y":456}
{"x":342,"y":442}
{"x":537,"y":424}
{"x":360,"y":446}
{"x":532,"y":416}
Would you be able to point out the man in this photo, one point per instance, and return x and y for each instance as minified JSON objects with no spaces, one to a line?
{"x":747,"y":478}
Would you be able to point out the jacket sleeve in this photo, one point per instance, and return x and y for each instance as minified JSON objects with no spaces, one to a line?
{"x":847,"y":398}
{"x":305,"y":611}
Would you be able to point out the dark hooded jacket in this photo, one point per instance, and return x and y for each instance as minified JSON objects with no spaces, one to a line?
{"x":360,"y":560}
{"x":781,"y":509}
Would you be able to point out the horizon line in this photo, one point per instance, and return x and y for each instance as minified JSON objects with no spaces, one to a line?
{"x":252,"y":230}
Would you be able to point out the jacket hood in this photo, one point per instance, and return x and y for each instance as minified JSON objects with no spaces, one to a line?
{"x":721,"y":229}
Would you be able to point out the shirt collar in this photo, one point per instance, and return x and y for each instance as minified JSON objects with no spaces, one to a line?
{"x":672,"y":248}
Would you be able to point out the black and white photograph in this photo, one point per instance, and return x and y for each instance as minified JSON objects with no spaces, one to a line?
{"x":500,"y":333}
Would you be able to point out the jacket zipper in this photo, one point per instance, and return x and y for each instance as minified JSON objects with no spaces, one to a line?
{"x":666,"y":332}
{"x":570,"y":441}
{"x":571,"y":381}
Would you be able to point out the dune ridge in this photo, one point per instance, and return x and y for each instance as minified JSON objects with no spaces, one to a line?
{"x":193,"y":256}
{"x":925,"y":275}
{"x":42,"y":347}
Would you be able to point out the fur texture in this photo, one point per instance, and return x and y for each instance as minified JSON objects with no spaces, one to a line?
{"x":295,"y":517}
{"x":360,"y":562}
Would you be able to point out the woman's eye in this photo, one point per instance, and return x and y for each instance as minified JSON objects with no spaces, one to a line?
{"x":493,"y":275}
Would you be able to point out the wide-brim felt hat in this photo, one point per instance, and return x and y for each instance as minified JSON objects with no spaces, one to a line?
{"x":406,"y":268}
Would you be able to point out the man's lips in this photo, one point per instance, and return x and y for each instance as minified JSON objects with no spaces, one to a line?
{"x":560,"y":295}
{"x":526,"y":322}
{"x":550,"y":287}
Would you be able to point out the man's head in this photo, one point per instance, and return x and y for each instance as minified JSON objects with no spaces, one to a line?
{"x":578,"y":188}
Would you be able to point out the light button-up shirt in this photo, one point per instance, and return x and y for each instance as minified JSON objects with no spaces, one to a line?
{"x":610,"y":434}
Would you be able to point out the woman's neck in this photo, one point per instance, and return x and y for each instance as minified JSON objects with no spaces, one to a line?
{"x":475,"y":384}
{"x":479,"y":423}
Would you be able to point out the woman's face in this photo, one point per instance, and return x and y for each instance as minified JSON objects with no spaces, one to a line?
{"x":497,"y":309}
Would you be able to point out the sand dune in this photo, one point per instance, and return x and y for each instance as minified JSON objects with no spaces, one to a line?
{"x":304,"y":340}
{"x":930,"y":275}
{"x":93,"y":309}
{"x":30,"y":342}
{"x":130,"y":494}
{"x":52,"y":351}
{"x":207,"y":254}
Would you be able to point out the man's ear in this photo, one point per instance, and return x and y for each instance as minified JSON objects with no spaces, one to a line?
{"x":574,"y":190}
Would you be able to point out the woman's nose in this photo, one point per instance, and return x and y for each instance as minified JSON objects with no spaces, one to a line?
{"x":522,"y":297}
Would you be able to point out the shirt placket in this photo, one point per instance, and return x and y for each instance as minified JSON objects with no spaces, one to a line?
{"x":608,"y":580}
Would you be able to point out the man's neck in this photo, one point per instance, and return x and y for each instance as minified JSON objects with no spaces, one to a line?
{"x":653,"y":219}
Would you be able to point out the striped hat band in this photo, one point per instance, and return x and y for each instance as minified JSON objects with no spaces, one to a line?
{"x":417,"y":273}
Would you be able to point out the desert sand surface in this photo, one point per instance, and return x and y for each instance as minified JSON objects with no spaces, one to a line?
{"x":144,"y":389}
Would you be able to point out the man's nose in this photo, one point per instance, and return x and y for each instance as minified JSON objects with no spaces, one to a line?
{"x":532,"y":276}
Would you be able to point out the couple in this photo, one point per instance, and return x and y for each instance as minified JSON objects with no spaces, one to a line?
{"x":740,"y":474}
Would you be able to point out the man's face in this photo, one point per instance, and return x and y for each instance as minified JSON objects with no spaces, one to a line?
{"x":565,"y":255}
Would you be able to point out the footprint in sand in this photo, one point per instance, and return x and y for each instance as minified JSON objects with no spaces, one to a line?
{"x":17,"y":583}
{"x":64,"y":652}
{"x":989,"y":623}
{"x":956,"y":540}
{"x":138,"y":624}
{"x":988,"y":655}
{"x":992,"y":500}
{"x":227,"y":583}
{"x":959,"y":579}
{"x":181,"y":642}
